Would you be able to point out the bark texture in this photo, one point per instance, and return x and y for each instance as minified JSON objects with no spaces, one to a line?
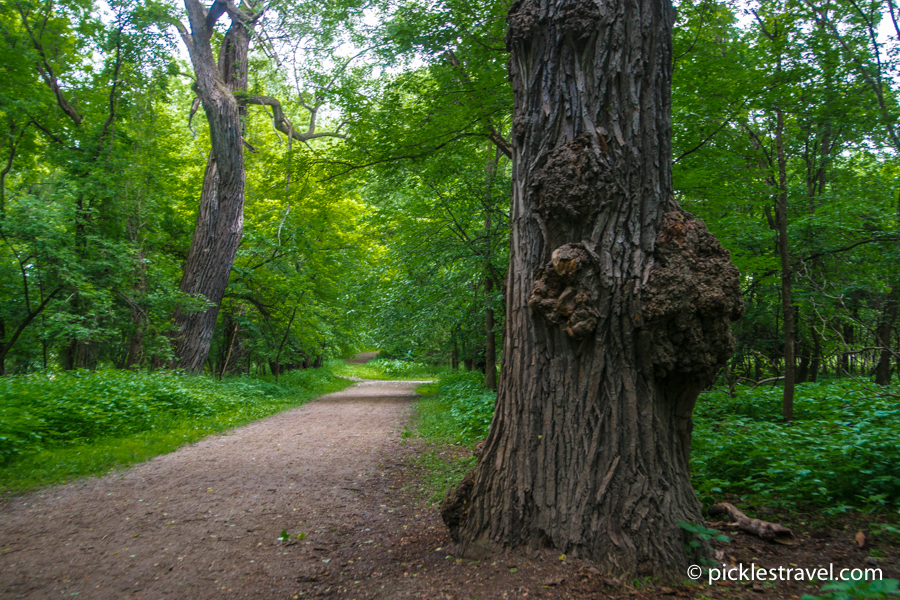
{"x":619,"y":303}
{"x":220,"y":217}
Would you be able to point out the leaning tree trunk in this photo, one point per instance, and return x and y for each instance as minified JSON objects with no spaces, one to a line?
{"x":619,"y":303}
{"x":220,"y":217}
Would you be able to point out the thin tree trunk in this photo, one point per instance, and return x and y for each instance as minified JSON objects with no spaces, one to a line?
{"x":817,"y":354}
{"x":802,"y":350}
{"x":287,"y":332}
{"x":884,"y":334}
{"x":136,"y":340}
{"x":228,"y":354}
{"x":787,"y":306}
{"x":612,"y":327}
{"x":490,"y":344}
{"x":846,"y":357}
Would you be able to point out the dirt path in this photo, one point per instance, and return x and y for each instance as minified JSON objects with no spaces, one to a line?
{"x":203,"y":522}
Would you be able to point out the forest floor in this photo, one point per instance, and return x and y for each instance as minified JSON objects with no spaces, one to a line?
{"x":338,"y":476}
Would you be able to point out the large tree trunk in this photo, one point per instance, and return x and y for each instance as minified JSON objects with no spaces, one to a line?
{"x":220,"y":217}
{"x":619,"y":304}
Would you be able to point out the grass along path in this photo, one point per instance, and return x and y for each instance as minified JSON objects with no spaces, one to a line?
{"x":61,"y":427}
{"x":204,"y":521}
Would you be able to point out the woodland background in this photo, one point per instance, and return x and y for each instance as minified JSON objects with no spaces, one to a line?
{"x":393,"y":233}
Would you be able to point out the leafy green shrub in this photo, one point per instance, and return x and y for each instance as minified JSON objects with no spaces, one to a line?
{"x":843,"y":448}
{"x":401,"y":368}
{"x":858,"y":590}
{"x":462,"y":410}
{"x":44,"y":411}
{"x":697,"y":548}
{"x":842,"y":451}
{"x":385,"y":368}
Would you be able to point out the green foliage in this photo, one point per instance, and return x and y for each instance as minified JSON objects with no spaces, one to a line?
{"x":702,"y":536}
{"x":385,"y":369}
{"x":858,"y":590}
{"x":443,"y":472}
{"x":843,"y":450}
{"x":67,"y":425}
{"x":462,"y":411}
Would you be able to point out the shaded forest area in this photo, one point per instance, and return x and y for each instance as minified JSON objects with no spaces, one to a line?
{"x":202,"y":206}
{"x":385,"y":224}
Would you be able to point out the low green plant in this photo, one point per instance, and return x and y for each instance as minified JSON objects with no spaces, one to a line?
{"x":858,"y":590}
{"x":887,"y":530}
{"x":386,"y":369}
{"x":841,"y":451}
{"x":702,"y":536}
{"x":442,"y":473}
{"x":461,"y":412}
{"x":60,"y":426}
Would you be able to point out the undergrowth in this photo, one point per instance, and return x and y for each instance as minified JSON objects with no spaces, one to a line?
{"x":386,"y":369}
{"x":61,"y":426}
{"x":452,"y":416}
{"x":842,"y":452}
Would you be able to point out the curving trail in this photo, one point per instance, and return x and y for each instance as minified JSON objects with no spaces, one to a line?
{"x":203,"y":522}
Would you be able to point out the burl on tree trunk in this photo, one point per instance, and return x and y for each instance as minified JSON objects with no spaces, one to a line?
{"x":619,"y":303}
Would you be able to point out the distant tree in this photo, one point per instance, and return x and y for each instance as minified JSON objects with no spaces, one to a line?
{"x":221,"y":88}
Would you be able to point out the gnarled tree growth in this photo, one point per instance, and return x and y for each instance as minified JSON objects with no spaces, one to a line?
{"x":619,"y":303}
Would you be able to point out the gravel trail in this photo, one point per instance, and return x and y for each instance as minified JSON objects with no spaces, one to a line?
{"x":203,"y":522}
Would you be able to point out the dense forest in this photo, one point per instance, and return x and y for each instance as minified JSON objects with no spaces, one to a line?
{"x":377,"y":184}
{"x":246,"y":191}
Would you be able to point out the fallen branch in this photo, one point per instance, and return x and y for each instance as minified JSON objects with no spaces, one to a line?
{"x":772,"y":532}
{"x":770,"y":379}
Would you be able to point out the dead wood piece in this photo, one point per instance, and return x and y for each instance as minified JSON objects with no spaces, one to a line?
{"x":772,"y":532}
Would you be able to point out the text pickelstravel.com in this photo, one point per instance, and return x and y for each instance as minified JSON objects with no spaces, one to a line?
{"x":752,"y":572}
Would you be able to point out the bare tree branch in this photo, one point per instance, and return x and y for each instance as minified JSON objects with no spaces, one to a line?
{"x":715,"y":132}
{"x":215,"y":12}
{"x":283,"y":124}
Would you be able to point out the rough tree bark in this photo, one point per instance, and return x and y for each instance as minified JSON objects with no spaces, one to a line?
{"x":220,"y":217}
{"x":221,"y":89}
{"x":619,"y":303}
